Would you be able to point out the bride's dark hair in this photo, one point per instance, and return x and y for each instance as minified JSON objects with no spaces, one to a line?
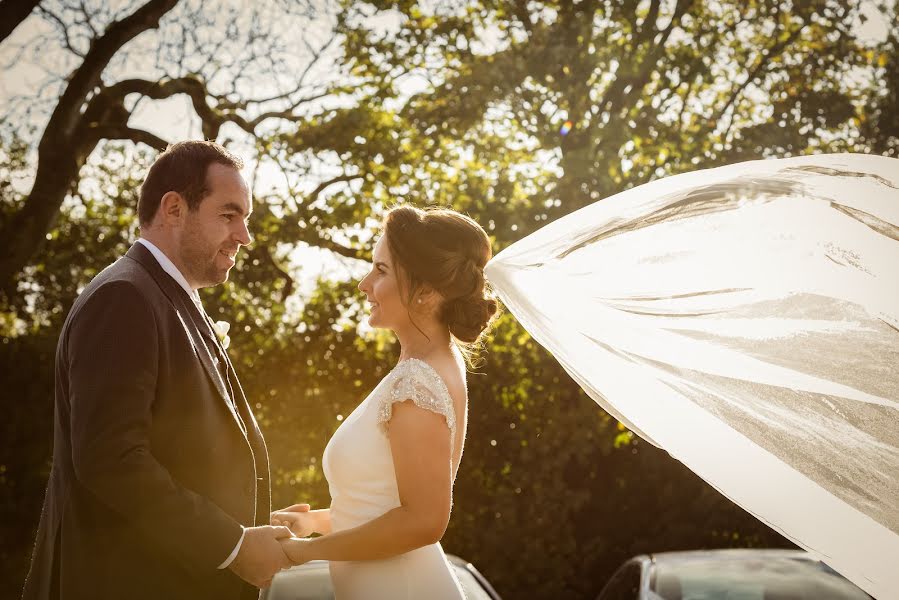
{"x":447,"y":251}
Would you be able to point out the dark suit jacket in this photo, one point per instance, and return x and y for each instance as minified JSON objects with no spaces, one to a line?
{"x":157,"y":459}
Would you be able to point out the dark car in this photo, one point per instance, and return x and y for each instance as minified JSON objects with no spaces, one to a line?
{"x":728,"y":575}
{"x":312,"y":581}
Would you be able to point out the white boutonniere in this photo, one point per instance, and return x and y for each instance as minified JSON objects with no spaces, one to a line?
{"x":221,"y":330}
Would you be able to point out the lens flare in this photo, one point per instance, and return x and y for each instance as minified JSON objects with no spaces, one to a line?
{"x":566,"y":127}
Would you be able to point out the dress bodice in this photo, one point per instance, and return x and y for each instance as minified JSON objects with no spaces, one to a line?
{"x":358,"y":462}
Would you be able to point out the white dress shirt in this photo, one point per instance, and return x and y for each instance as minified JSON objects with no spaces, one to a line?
{"x":169,"y":267}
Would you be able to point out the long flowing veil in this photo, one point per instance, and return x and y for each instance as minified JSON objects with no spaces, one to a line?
{"x":745,"y":319}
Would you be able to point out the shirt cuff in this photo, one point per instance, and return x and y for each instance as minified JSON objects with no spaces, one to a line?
{"x":234,"y":552}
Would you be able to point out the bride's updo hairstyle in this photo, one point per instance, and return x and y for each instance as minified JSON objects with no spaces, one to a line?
{"x":447,"y":251}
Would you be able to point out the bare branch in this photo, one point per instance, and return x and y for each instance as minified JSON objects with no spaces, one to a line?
{"x":115,"y":132}
{"x":63,"y":29}
{"x":326,"y":184}
{"x":762,"y":62}
{"x":262,"y":251}
{"x":648,"y":26}
{"x":637,"y":76}
{"x":320,"y":241}
{"x":87,"y":19}
{"x":87,"y":75}
{"x":62,"y":151}
{"x":212,"y":117}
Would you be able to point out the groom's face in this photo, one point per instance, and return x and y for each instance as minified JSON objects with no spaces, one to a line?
{"x":214,"y":232}
{"x":382,"y":290}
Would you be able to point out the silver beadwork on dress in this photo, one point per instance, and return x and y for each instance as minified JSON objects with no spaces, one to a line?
{"x":416,"y":380}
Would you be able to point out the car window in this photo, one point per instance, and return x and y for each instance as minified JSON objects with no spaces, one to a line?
{"x":624,"y":584}
{"x":768,"y":578}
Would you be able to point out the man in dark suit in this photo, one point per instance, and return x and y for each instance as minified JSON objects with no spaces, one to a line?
{"x":160,"y":481}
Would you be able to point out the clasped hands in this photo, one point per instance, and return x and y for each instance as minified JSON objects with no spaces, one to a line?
{"x":268,"y":549}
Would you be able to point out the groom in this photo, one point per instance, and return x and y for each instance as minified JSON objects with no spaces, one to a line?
{"x":160,"y":479}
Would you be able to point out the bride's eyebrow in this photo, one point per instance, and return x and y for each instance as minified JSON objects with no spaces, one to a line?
{"x":382,"y":264}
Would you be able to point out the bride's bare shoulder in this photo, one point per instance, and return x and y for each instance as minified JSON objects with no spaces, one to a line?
{"x":451,"y":371}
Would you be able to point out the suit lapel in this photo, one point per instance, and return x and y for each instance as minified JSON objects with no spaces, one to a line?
{"x":216,"y":347}
{"x":211,"y":359}
{"x":258,"y":446}
{"x":193,"y":321}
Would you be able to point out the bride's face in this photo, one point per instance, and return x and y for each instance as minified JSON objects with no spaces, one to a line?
{"x":382,"y":290}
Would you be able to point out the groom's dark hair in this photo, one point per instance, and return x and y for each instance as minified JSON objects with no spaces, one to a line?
{"x":181,"y":168}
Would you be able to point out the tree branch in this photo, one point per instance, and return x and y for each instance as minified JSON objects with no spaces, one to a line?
{"x":212,"y":117}
{"x":523,"y":15}
{"x":117,"y":132}
{"x":762,"y":62}
{"x":319,"y":241}
{"x":648,"y":26}
{"x":62,"y":151}
{"x":313,"y":195}
{"x":63,"y":29}
{"x":87,"y":75}
{"x":262,"y":251}
{"x":616,"y":96}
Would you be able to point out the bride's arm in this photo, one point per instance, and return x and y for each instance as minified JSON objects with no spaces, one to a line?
{"x":321,"y":521}
{"x":420,"y":445}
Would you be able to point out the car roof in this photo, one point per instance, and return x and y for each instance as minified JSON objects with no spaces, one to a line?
{"x":725,"y":554}
{"x":312,"y":565}
{"x":323,"y":564}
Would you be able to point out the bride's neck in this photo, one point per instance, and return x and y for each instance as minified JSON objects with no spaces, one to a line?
{"x":420,"y":344}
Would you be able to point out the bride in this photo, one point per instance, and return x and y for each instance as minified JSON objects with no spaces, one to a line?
{"x":391,"y":464}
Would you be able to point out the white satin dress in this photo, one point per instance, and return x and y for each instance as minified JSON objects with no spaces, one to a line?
{"x":358,"y":465}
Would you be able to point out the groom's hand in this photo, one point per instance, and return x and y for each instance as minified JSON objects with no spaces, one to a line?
{"x":260,"y":556}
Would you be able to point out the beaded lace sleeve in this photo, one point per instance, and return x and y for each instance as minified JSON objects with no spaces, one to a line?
{"x":415,"y":380}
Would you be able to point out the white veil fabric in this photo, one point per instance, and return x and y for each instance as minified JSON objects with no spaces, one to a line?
{"x":746,"y":320}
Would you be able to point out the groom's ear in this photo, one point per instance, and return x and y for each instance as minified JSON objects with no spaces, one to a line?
{"x":172,"y":208}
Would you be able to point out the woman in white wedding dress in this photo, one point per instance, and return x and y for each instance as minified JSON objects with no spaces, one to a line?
{"x":391,"y":464}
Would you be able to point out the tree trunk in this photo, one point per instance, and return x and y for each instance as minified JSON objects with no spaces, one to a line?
{"x":26,"y":232}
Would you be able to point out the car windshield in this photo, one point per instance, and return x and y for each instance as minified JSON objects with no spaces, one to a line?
{"x":772,"y":578}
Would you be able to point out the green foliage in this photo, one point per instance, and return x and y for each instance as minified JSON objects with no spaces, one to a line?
{"x":553,"y":493}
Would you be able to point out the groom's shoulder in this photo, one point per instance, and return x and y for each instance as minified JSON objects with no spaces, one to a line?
{"x":124,"y":272}
{"x":123,"y":279}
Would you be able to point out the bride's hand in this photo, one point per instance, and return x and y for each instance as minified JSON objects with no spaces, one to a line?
{"x":297,"y":518}
{"x":296,"y":549}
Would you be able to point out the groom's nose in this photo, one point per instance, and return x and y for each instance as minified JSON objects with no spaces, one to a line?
{"x":243,"y":234}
